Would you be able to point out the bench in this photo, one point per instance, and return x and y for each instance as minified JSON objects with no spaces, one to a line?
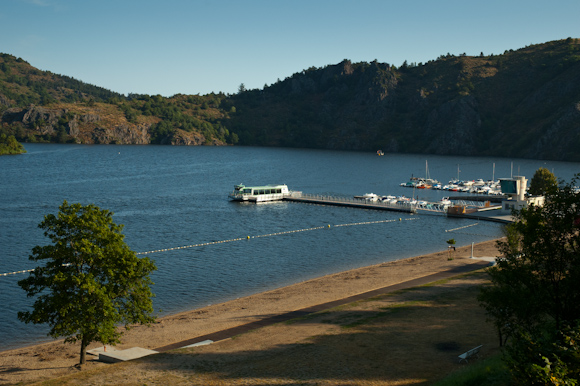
{"x":468,"y":354}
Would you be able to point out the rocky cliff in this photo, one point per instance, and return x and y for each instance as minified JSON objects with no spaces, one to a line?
{"x":76,"y":126}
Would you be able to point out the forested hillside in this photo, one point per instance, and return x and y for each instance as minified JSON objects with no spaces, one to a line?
{"x":41,"y":106}
{"x":522,"y":103}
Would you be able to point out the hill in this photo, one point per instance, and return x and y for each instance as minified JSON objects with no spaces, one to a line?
{"x":522,"y":103}
{"x":41,"y":106}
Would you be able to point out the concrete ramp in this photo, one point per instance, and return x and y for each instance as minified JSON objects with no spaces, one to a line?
{"x":202,"y":343}
{"x":124,"y":355}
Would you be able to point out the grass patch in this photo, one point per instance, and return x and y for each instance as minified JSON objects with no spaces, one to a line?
{"x":365,"y":320}
{"x":488,"y":372}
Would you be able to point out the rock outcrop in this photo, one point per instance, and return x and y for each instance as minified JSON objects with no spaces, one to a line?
{"x":87,"y":128}
{"x":119,"y":135}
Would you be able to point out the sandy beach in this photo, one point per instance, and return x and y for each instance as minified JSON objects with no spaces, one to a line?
{"x":53,"y":359}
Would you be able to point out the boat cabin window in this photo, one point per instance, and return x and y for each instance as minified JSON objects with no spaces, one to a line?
{"x":247,"y":191}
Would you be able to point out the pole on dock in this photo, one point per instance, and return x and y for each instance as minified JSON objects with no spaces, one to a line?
{"x":471,"y":251}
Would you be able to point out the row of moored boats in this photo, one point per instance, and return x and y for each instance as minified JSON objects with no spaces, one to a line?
{"x":406,"y":201}
{"x":474,"y":187}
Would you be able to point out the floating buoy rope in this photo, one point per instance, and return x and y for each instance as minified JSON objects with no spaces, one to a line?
{"x":246,"y":238}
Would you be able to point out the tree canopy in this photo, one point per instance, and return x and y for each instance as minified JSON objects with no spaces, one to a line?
{"x":9,"y":145}
{"x":534,"y":296}
{"x":542,"y":181}
{"x":91,"y":281}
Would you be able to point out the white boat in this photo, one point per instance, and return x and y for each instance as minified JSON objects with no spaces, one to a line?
{"x":445,"y":201}
{"x":259,"y":193}
{"x":370,"y":197}
{"x":479,"y":182}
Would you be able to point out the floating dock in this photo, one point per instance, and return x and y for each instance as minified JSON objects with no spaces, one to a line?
{"x":431,"y":208}
{"x":353,"y":203}
{"x":489,"y":213}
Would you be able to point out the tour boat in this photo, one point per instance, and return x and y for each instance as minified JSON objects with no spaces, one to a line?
{"x":259,"y":193}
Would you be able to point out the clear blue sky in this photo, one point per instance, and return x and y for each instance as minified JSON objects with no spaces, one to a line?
{"x":200,"y":46}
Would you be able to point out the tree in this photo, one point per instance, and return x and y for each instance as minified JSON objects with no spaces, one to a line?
{"x":451,"y":247}
{"x":542,"y":181}
{"x":91,"y":281}
{"x":9,"y":145}
{"x":534,"y":291}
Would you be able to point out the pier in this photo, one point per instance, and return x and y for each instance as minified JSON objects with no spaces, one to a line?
{"x":478,"y":212}
{"x":430,"y":208}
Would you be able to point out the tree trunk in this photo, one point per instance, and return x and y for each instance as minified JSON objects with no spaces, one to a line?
{"x":84,"y":345}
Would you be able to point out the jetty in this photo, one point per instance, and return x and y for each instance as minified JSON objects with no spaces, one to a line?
{"x":473,"y":210}
{"x":355,"y":202}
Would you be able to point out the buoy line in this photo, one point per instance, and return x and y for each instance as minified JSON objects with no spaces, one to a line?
{"x":474,"y":234}
{"x":456,"y":229}
{"x":244,"y":238}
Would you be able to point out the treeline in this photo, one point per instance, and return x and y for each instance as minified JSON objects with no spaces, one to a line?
{"x":184,"y":112}
{"x":27,"y":85}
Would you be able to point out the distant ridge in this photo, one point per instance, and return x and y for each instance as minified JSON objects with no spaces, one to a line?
{"x":522,"y":103}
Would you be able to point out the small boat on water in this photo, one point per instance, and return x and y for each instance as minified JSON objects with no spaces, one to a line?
{"x":368,"y":197}
{"x":259,"y":193}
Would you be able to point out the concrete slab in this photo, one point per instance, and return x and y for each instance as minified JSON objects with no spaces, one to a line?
{"x":98,"y":350}
{"x":125,"y":355}
{"x":485,"y":258}
{"x":202,"y":343}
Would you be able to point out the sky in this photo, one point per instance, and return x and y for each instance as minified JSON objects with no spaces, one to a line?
{"x":170,"y":47}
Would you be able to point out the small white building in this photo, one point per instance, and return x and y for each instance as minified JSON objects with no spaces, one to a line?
{"x":515,"y":188}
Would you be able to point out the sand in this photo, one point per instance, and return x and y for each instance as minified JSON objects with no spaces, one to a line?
{"x":54,"y":359}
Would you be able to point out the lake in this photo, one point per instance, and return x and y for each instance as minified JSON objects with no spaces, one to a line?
{"x":169,"y":197}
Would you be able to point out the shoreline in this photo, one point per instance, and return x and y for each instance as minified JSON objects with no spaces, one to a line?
{"x":51,"y":359}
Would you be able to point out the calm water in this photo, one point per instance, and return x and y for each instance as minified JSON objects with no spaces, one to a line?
{"x":175,"y":196}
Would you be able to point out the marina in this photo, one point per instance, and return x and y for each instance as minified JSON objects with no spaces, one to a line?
{"x":481,"y":210}
{"x":476,"y":186}
{"x":469,"y":210}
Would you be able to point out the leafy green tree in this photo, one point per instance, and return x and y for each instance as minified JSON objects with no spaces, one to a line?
{"x":550,"y":358}
{"x":91,"y":281}
{"x":542,"y":181}
{"x":9,"y":145}
{"x":161,"y":131}
{"x":534,"y":291}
